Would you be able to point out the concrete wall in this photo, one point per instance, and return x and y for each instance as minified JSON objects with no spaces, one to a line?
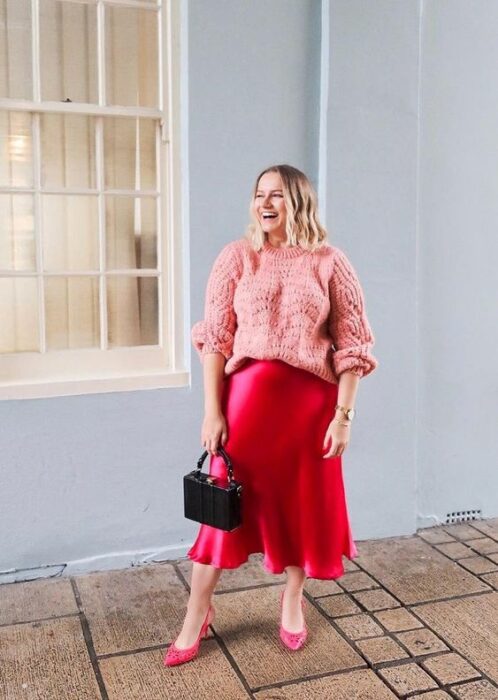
{"x":396,"y":109}
{"x":412,"y":194}
{"x":371,"y":171}
{"x":90,"y":482}
{"x":458,"y":253}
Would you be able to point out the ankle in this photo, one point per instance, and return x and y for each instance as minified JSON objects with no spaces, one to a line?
{"x":198,"y":606}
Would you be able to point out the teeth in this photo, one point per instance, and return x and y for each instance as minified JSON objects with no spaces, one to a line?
{"x":269,"y":216}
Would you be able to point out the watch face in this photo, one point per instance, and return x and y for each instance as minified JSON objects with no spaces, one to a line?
{"x":351,"y":413}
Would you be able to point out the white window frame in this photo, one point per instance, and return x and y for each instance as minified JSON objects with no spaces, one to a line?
{"x":87,"y":371}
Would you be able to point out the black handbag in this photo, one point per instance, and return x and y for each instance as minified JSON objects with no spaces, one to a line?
{"x":208,"y":502}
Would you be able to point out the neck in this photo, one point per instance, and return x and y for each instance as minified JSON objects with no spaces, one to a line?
{"x":277,"y":241}
{"x":282,"y":251}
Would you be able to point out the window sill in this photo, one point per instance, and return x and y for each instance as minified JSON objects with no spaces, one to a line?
{"x":93,"y":385}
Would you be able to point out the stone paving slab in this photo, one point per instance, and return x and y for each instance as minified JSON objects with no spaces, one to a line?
{"x":349,"y":565}
{"x":436,"y":535}
{"x":397,"y":620}
{"x":380,"y":649}
{"x":478,"y":690}
{"x":338,"y":605}
{"x":378,"y":599}
{"x":320,"y":587}
{"x":34,"y":600}
{"x":463,"y":531}
{"x":407,"y":678}
{"x":492,"y":579}
{"x":359,"y":626}
{"x":357,"y":581}
{"x":248,"y":622}
{"x":484,"y":545}
{"x":143,"y":676}
{"x":414,"y":571}
{"x":455,"y":550}
{"x":353,"y":685}
{"x":46,"y":661}
{"x":133,"y":608}
{"x":470,"y":626}
{"x":487,"y":527}
{"x":421,"y":641}
{"x":450,"y":668}
{"x":479,"y":565}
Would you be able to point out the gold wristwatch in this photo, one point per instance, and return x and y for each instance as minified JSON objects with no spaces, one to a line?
{"x":348,"y":412}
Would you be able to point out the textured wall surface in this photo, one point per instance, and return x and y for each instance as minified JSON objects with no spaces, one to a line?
{"x":395,"y":105}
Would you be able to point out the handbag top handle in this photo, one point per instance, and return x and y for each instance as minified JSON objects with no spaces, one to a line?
{"x":226,"y":459}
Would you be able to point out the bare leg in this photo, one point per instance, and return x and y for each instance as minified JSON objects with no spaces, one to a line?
{"x":204,"y":580}
{"x":292,"y":615}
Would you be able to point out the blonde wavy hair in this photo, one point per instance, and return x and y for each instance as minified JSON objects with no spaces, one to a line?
{"x":302,"y":227}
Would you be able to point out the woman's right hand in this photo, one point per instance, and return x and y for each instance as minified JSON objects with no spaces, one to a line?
{"x":214,"y":428}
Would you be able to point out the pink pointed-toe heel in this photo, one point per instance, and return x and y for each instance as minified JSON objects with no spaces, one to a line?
{"x":292,"y":640}
{"x":175,"y":656}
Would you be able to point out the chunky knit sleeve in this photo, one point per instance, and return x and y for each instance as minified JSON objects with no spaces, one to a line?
{"x":349,"y":327}
{"x":215,"y":333}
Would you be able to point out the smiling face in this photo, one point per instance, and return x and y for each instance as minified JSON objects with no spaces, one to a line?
{"x":269,"y":206}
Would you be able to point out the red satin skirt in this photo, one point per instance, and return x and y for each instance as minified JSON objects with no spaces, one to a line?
{"x":293,"y":502}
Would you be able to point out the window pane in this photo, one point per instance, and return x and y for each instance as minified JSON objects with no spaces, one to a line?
{"x":72,"y":312}
{"x":131,"y":239}
{"x":68,"y":151}
{"x":68,"y":50}
{"x":17,"y":234}
{"x":131,"y":57}
{"x":15,"y":49}
{"x":19,"y":314}
{"x":16,"y":150}
{"x":130,"y":154}
{"x":132,"y":311}
{"x":70,"y":232}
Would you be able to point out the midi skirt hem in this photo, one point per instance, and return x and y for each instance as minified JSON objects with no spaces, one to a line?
{"x":310,"y":573}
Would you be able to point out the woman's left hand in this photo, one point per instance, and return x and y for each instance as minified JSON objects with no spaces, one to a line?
{"x":339,"y":435}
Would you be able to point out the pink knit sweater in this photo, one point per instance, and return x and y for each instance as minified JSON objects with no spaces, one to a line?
{"x":287,"y":303}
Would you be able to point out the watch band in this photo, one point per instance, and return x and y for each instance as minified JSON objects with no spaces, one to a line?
{"x":348,"y":412}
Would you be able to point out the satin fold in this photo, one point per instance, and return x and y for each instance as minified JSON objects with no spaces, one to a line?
{"x":294,"y":507}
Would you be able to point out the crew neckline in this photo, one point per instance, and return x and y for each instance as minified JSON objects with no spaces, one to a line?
{"x":283,"y":251}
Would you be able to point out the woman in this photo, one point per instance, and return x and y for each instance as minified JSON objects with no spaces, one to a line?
{"x":283,"y":343}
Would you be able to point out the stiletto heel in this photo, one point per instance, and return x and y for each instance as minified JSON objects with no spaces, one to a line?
{"x":292,"y":640}
{"x":175,"y":656}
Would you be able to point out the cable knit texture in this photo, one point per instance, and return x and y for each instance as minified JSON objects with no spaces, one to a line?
{"x":286,"y":303}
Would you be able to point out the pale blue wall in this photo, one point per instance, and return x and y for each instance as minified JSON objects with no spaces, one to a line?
{"x":95,"y":481}
{"x":372,"y":120}
{"x":458,"y":253}
{"x":407,"y":151}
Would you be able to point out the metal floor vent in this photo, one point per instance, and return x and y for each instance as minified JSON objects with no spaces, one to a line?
{"x":461,"y":516}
